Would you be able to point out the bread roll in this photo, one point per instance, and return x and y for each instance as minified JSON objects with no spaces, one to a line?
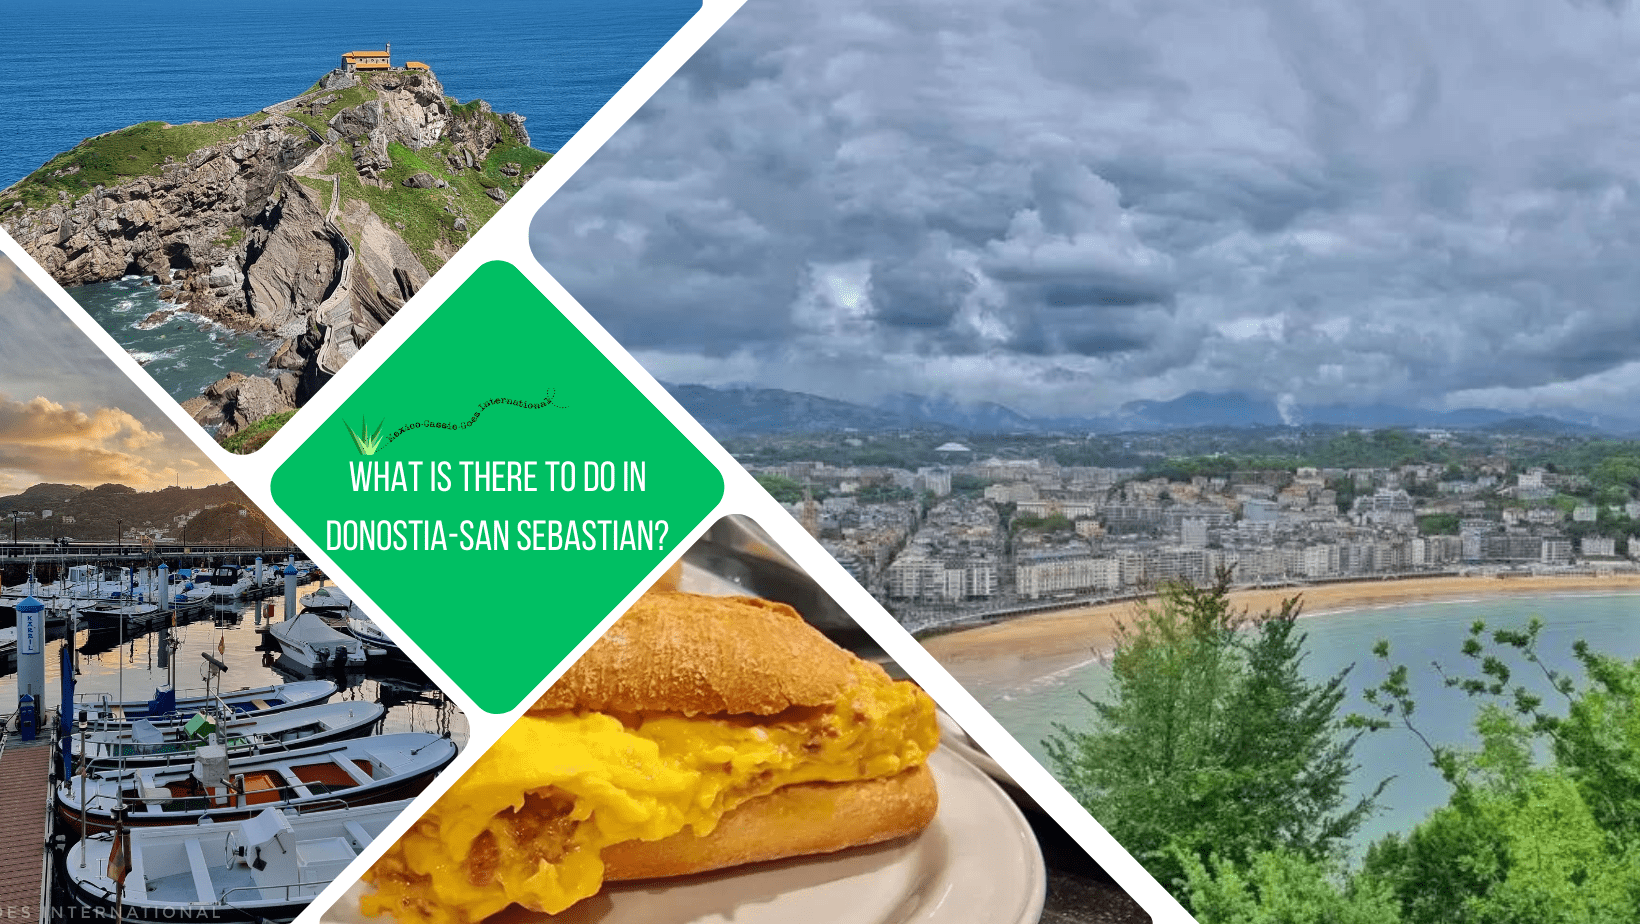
{"x":695,"y":655}
{"x":793,"y":821}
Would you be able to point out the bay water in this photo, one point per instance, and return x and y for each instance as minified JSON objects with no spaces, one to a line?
{"x":1421,"y":635}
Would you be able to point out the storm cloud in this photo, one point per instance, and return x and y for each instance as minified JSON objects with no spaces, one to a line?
{"x":1065,"y":206}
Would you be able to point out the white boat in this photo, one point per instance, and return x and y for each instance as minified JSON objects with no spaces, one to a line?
{"x":362,"y":628}
{"x":145,"y":743}
{"x":264,"y":868}
{"x":102,"y":709}
{"x":8,"y":641}
{"x":360,"y":771}
{"x":228,"y":583}
{"x":327,"y":598}
{"x":84,"y":584}
{"x":309,"y":642}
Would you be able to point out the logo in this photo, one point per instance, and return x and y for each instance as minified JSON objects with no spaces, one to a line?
{"x":370,"y":442}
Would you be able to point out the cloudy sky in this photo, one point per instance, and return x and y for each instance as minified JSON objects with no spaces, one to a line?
{"x":67,"y":415}
{"x":1065,"y":205}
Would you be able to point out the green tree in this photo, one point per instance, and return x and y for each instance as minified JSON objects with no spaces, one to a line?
{"x":781,"y":488}
{"x":1211,"y":745}
{"x":1512,"y":846}
{"x":1438,"y":524}
{"x":1281,"y":887}
{"x":1541,"y":825}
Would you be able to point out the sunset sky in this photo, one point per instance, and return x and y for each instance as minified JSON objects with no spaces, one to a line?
{"x":68,"y":416}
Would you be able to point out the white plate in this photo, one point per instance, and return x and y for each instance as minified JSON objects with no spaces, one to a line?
{"x":978,"y":863}
{"x":952,"y":736}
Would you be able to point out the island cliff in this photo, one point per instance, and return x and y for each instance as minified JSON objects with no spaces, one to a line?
{"x":314,"y":219}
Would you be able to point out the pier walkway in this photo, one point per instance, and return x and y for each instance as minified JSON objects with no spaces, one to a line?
{"x":25,"y":808}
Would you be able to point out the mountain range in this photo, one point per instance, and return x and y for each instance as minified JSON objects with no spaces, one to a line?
{"x":212,"y":514}
{"x":746,"y":410}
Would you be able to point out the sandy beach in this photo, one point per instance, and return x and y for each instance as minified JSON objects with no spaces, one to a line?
{"x":1037,"y":645}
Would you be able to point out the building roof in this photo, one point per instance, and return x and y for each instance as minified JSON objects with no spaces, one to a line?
{"x":416,"y":64}
{"x":366,"y":54}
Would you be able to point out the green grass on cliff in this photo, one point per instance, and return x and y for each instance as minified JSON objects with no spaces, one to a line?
{"x":107,"y":160}
{"x":419,"y":216}
{"x":320,"y":187}
{"x":256,"y":435}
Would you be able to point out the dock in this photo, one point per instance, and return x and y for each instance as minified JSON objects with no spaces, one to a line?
{"x":25,"y":804}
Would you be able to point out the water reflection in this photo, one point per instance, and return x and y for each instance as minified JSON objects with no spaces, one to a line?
{"x":234,"y":635}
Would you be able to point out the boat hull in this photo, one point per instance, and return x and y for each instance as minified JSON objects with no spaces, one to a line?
{"x":103,"y":713}
{"x":394,"y":789}
{"x":195,"y":873}
{"x":298,"y":728}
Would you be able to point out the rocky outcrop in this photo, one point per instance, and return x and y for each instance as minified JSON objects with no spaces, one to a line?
{"x":293,"y":260}
{"x":408,"y":109}
{"x":236,"y":401}
{"x":242,"y":231}
{"x":515,"y":122}
{"x":179,"y":226}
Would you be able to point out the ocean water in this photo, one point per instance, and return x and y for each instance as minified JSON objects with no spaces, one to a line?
{"x":1418,"y":634}
{"x":184,"y":352}
{"x":70,"y":69}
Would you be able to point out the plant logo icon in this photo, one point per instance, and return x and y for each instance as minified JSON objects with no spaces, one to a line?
{"x":369,"y":442}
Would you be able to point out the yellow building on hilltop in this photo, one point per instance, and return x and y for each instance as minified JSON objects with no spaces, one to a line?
{"x":369,"y":60}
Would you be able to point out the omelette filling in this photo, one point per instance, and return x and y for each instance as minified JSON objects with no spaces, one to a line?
{"x":528,"y":822}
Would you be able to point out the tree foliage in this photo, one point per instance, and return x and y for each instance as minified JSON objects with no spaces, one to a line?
{"x":1543,"y":824}
{"x":1280,"y":887}
{"x":1212,"y":747}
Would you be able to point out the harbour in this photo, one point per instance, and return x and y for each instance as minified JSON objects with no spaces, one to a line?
{"x":198,"y":727}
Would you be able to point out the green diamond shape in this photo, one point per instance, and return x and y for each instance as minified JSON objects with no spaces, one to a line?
{"x":497,"y":374}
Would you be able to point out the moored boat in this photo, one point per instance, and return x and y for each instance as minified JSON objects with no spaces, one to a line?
{"x":361,"y":771}
{"x":144,"y":743}
{"x":228,"y":583}
{"x":102,"y":709}
{"x":365,"y":630}
{"x":327,"y":598}
{"x":264,"y":868}
{"x":308,"y":641}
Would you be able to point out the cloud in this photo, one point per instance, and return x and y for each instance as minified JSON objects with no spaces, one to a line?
{"x":87,"y":424}
{"x":41,"y":440}
{"x":1071,"y":205}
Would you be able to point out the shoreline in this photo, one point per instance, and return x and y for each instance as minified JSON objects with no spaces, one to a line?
{"x":1047,"y":643}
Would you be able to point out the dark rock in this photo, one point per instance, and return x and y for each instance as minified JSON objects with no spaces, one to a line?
{"x":421,"y":181}
{"x":498,"y":195}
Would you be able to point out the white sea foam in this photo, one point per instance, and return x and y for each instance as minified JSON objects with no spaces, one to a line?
{"x":144,"y":357}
